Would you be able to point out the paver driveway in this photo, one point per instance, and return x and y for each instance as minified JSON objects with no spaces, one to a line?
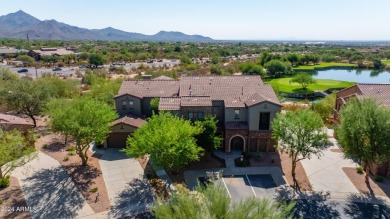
{"x":326,"y":174}
{"x":127,"y":187}
{"x":49,"y":191}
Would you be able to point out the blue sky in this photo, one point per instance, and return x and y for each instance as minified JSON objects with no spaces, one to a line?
{"x":223,"y":19}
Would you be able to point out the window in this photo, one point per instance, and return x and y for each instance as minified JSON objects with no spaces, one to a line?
{"x":236,"y":114}
{"x":200,"y":115}
{"x":190,"y":115}
{"x":124,"y":104}
{"x":131,"y":104}
{"x":264,"y":121}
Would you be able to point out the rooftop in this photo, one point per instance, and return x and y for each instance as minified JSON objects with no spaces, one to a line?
{"x":380,"y":92}
{"x":129,"y":120}
{"x":235,"y":91}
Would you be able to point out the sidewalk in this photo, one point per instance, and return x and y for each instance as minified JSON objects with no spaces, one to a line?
{"x":325,"y":173}
{"x":49,"y":191}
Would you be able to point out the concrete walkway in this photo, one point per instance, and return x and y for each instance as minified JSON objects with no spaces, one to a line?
{"x":229,"y":157}
{"x":49,"y":191}
{"x":127,"y":187}
{"x":326,"y":174}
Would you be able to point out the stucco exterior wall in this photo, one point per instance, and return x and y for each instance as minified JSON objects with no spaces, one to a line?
{"x":136,"y":109}
{"x":254,"y":114}
{"x":230,"y":116}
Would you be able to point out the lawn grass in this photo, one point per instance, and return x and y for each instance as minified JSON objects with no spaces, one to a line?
{"x":283,"y":84}
{"x":386,"y":62}
{"x":324,"y":65}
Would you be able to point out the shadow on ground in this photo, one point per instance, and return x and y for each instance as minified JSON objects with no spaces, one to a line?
{"x":52,"y":194}
{"x":133,"y":200}
{"x":311,"y":205}
{"x":362,"y":207}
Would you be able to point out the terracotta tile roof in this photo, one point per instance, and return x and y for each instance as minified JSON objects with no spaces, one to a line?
{"x":169,"y":103}
{"x":6,"y":119}
{"x":235,"y":91}
{"x":149,"y":88}
{"x":236,"y":125}
{"x":195,"y":101}
{"x":380,"y":92}
{"x":129,"y":120}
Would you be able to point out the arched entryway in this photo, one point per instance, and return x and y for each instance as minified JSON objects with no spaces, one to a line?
{"x":237,"y":143}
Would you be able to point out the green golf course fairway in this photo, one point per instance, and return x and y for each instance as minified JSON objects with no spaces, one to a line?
{"x":283,"y":84}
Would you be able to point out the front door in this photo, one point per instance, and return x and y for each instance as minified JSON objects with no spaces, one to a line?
{"x":237,"y":144}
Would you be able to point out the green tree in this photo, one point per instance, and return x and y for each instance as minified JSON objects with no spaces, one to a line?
{"x":216,"y":70}
{"x":104,"y":90}
{"x":215,"y":60}
{"x":96,"y":59}
{"x":325,"y":106}
{"x":27,"y":97}
{"x":327,"y":57}
{"x":304,"y":79}
{"x":276,"y":67}
{"x":208,"y":138}
{"x":264,"y":58}
{"x":168,"y":139}
{"x":14,"y":149}
{"x":364,"y":132}
{"x":85,"y":119}
{"x":377,"y":63}
{"x":27,"y":60}
{"x":293,"y":58}
{"x":251,"y":68}
{"x":185,"y":60}
{"x":301,"y":134}
{"x":154,"y":103}
{"x":59,"y":88}
{"x":214,"y":203}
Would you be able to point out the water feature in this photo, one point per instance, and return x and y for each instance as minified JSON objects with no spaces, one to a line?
{"x":354,"y":75}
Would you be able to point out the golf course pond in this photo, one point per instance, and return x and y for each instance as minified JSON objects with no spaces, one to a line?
{"x":354,"y":75}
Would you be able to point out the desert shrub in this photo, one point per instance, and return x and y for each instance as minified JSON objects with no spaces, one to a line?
{"x":71,"y":153}
{"x":71,"y":148}
{"x":94,"y":190}
{"x":378,"y":178}
{"x":66,"y":158}
{"x":4,"y":182}
{"x":359,"y":170}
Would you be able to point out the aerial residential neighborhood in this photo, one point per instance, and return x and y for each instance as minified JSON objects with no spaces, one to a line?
{"x":175,"y":109}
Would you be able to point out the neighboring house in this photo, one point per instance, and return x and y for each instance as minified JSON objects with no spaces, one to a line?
{"x":243,"y":106}
{"x":6,"y":52}
{"x":379,"y":92}
{"x":10,"y":122}
{"x":37,"y":54}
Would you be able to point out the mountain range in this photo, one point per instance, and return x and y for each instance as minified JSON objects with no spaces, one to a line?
{"x":19,"y":24}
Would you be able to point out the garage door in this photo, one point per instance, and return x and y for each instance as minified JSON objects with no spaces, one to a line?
{"x":117,"y":140}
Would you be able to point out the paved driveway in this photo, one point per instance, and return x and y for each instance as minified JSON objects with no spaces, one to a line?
{"x":49,"y":191}
{"x":326,"y":174}
{"x":127,"y":187}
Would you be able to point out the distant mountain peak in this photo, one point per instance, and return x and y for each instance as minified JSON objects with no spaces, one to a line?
{"x":15,"y":25}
